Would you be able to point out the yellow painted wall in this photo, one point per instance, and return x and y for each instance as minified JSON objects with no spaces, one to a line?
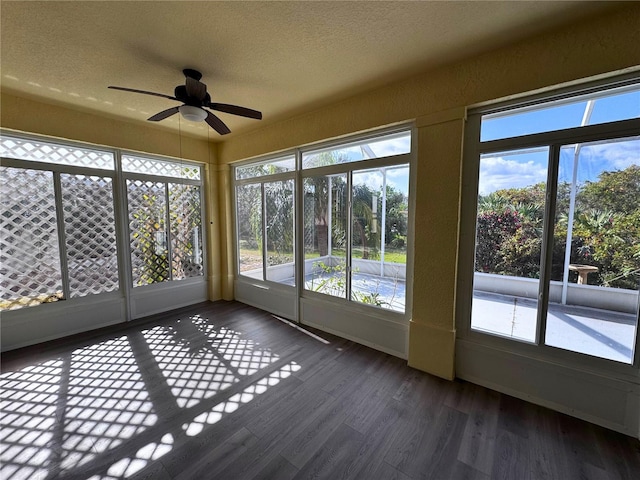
{"x":436,"y":100}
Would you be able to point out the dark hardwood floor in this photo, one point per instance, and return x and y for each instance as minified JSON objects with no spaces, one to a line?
{"x":226,"y":391}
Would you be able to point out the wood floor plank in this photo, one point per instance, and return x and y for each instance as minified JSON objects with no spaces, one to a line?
{"x":368,"y":462}
{"x":276,"y":427}
{"x":579,"y":441}
{"x":303,"y":446}
{"x":279,"y":468}
{"x":420,"y":404}
{"x":439,"y":448}
{"x":335,"y":377}
{"x":548,"y":459}
{"x":462,"y":471}
{"x":211,"y":463}
{"x":479,"y":436}
{"x":318,"y":357}
{"x":515,"y":416}
{"x":304,"y":401}
{"x":334,"y":457}
{"x":460,"y":396}
{"x":620,"y":455}
{"x":511,"y":457}
{"x":386,"y":471}
{"x":368,"y":404}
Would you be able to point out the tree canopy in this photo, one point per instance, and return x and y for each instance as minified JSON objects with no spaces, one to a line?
{"x":606,"y":229}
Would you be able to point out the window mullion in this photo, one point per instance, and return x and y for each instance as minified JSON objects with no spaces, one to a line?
{"x":383,"y":220}
{"x":349,"y":235}
{"x":330,"y":215}
{"x":167,"y":231}
{"x":204,"y":174}
{"x":546,"y":257}
{"x":298,"y":245}
{"x":62,"y":238}
{"x":123,"y":240}
{"x":263,"y":196}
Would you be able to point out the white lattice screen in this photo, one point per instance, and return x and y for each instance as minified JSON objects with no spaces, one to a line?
{"x":32,"y":150}
{"x":90,"y":234}
{"x":30,"y":259}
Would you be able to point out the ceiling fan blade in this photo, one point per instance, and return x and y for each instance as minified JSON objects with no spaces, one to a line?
{"x":164,"y":114}
{"x":217,"y":124}
{"x":144,"y":92}
{"x":236,"y":110}
{"x":196,"y":89}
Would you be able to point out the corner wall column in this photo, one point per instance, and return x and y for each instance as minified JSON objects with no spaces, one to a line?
{"x":227,"y":228}
{"x":432,"y":330}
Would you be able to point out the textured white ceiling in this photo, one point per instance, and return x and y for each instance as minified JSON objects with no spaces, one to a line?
{"x":281,"y":58}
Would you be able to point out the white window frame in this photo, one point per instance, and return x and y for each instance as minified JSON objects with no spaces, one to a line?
{"x":260,"y":180}
{"x":165,"y":180}
{"x":474,"y":148}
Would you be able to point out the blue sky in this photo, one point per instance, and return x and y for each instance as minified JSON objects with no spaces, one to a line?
{"x":523,"y":168}
{"x":556,"y":117}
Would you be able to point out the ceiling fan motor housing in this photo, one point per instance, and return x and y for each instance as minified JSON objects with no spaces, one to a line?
{"x":180,"y":93}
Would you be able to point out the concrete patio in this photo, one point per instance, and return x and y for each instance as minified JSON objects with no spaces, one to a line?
{"x":601,"y":333}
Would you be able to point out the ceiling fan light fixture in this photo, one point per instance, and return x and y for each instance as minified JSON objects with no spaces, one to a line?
{"x":193,"y":114}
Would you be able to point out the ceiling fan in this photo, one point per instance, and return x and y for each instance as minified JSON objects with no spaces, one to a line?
{"x":193,"y":94}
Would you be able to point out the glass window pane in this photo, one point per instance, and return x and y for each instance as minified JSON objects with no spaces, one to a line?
{"x":378,"y":277}
{"x":383,"y":146}
{"x":249,"y":218}
{"x":90,"y":233}
{"x":613,"y":105}
{"x":29,"y":253}
{"x":511,"y":199}
{"x":147,"y":227}
{"x":37,"y":151}
{"x":396,"y":215}
{"x":325,"y":200}
{"x":395,"y":230}
{"x":365,"y":237}
{"x":163,"y":168}
{"x":186,"y":231}
{"x":279,"y":222}
{"x":593,"y":293}
{"x":268,"y":167}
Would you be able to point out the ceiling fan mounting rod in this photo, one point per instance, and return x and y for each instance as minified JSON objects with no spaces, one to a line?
{"x":191,"y":73}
